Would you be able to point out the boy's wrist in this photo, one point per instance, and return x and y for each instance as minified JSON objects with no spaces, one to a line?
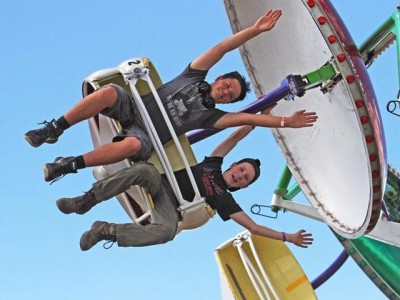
{"x":288,"y":121}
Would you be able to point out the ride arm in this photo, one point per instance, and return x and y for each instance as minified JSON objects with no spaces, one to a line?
{"x":300,"y":238}
{"x":380,"y":40}
{"x":208,"y":59}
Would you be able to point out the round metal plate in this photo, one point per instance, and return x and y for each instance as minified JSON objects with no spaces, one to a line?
{"x":340,"y":162}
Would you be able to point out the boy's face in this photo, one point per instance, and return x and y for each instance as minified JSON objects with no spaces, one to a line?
{"x":225,"y":90}
{"x":239,"y":175}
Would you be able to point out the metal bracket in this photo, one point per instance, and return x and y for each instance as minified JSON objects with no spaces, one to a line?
{"x":326,"y":77}
{"x":256,"y":210}
{"x":391,"y":107}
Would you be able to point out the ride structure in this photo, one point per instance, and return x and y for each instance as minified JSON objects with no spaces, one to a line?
{"x":348,"y":136}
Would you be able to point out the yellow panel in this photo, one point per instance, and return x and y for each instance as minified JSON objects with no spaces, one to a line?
{"x":286,"y":275}
{"x":173,"y":157}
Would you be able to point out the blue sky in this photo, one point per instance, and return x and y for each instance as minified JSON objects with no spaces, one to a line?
{"x":48,"y":48}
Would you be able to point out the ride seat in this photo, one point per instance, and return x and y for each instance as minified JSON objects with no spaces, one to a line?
{"x":136,"y":201}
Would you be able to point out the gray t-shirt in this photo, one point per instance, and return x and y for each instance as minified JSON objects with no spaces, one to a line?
{"x":183,"y":104}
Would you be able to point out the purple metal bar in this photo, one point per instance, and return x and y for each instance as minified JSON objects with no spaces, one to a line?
{"x":260,"y":104}
{"x":336,"y":265}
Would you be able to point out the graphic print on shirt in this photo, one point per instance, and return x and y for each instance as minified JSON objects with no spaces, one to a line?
{"x":185,"y":105}
{"x":209,"y":183}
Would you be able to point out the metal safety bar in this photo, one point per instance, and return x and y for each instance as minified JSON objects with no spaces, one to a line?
{"x":131,"y":75}
{"x":251,"y":270}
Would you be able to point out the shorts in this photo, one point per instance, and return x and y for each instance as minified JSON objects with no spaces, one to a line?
{"x":125,"y":112}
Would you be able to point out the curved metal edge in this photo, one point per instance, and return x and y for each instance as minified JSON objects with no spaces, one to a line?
{"x":367,"y":107}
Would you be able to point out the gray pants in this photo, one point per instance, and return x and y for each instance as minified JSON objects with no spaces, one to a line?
{"x":165,"y":217}
{"x":124,"y":110}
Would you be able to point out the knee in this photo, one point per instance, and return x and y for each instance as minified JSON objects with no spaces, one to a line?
{"x":168,"y":234}
{"x":146,"y":176}
{"x":132,"y":145}
{"x":148,"y":170}
{"x":151,"y":177}
{"x":108,"y":94}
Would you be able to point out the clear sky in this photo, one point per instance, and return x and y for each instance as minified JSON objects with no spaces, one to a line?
{"x":47,"y":49}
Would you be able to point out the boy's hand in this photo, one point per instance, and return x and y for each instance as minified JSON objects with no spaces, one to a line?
{"x":301,"y":119}
{"x":268,"y":21}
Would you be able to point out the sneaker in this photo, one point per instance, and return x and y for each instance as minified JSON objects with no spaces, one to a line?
{"x":59,"y":168}
{"x":79,"y":205}
{"x":100,"y":231}
{"x":49,"y":133}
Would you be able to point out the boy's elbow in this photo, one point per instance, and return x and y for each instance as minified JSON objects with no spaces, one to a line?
{"x":254,"y":229}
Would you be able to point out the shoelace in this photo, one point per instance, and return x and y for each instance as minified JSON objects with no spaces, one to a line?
{"x":84,"y":203}
{"x":57,"y":178}
{"x":44,"y":123}
{"x":111,"y":239}
{"x":105,"y":245}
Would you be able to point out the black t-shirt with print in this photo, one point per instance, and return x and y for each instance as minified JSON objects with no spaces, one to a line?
{"x":183,"y":105}
{"x":212,"y":186}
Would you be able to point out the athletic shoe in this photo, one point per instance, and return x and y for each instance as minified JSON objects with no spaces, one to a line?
{"x":49,"y":133}
{"x":59,"y":168}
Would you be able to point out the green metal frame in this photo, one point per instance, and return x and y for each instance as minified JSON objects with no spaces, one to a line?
{"x":321,"y":75}
{"x":381,"y":39}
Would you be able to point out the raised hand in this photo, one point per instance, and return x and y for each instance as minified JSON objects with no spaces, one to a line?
{"x":301,"y":119}
{"x":268,"y":21}
{"x":300,"y":238}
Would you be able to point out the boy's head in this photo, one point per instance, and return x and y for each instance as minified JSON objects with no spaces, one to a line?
{"x":242,"y":173}
{"x":229,"y":88}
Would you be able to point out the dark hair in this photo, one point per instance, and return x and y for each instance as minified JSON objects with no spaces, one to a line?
{"x":256,"y":165}
{"x":244,"y":85}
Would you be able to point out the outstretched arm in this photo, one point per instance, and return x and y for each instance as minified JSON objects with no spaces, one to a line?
{"x":208,"y":59}
{"x":298,"y":119}
{"x":300,"y":238}
{"x":231,"y":141}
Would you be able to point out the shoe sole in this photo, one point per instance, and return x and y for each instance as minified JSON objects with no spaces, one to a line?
{"x":48,"y":141}
{"x":31,"y":142}
{"x":47,"y":171}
